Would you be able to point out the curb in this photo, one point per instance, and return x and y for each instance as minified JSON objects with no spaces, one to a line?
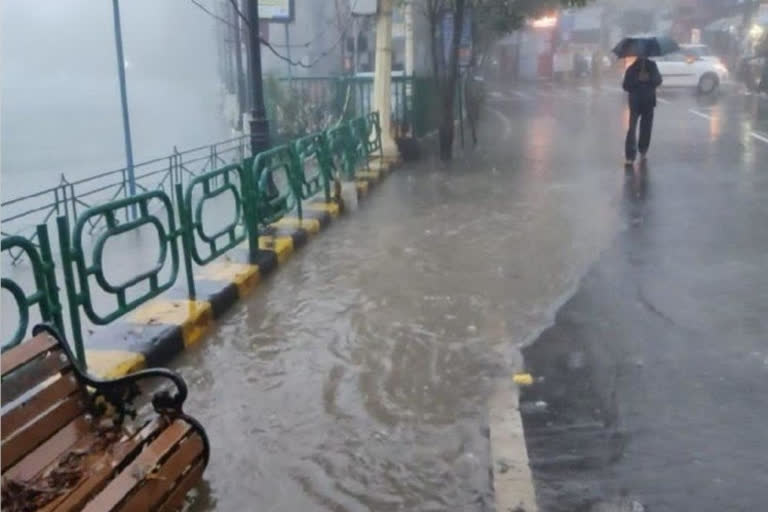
{"x":159,"y":330}
{"x":513,"y":484}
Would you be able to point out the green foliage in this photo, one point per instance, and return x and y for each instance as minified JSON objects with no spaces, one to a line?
{"x":295,"y":112}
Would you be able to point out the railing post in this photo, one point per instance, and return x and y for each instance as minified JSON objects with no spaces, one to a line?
{"x":65,"y":246}
{"x":186,"y":239}
{"x":49,"y":270}
{"x":250,"y":212}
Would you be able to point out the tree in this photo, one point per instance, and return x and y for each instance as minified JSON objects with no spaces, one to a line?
{"x":491,"y":19}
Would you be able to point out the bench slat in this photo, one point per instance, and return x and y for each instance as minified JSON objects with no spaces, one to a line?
{"x":105,"y":464}
{"x":135,"y":472}
{"x":176,"y":499}
{"x":35,"y":372}
{"x":47,"y":452}
{"x":153,"y":490}
{"x":25,"y":352}
{"x":30,"y":437}
{"x":38,"y":404}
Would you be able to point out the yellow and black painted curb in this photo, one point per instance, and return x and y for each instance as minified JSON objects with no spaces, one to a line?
{"x":158,"y":331}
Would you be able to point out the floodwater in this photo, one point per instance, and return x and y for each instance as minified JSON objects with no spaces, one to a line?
{"x":357,"y":377}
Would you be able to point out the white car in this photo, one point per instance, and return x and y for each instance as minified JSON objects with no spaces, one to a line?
{"x":698,"y":50}
{"x":685,"y":70}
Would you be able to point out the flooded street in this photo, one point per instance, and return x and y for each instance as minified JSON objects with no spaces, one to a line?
{"x":357,"y":377}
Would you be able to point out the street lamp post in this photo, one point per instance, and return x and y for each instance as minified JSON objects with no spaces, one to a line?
{"x":124,"y":101}
{"x":259,"y":124}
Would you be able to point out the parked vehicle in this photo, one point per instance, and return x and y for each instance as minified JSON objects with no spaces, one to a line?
{"x":681,"y":70}
{"x":699,"y":51}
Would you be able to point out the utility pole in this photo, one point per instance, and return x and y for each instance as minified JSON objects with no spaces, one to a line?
{"x":408,"y":19}
{"x":241,"y":86}
{"x":355,"y":36}
{"x":124,"y":102}
{"x":288,"y":52}
{"x":259,"y":124}
{"x":382,"y":81}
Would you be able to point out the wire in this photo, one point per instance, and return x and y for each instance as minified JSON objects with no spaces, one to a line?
{"x":266,"y":43}
{"x":271,"y":48}
{"x":212,"y":14}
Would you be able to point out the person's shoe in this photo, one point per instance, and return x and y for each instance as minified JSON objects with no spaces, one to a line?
{"x":643,"y":156}
{"x":629,"y":162}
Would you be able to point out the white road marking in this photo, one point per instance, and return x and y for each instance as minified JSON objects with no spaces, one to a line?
{"x":664,"y":101}
{"x":761,"y":138}
{"x":700,"y":114}
{"x":755,"y":135}
{"x":521,"y":95}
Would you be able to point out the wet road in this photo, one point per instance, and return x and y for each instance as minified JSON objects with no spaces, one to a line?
{"x":653,"y":383}
{"x":357,"y":377}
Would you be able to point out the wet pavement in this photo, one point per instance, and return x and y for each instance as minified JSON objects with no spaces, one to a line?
{"x":357,"y":377}
{"x":652,"y":384}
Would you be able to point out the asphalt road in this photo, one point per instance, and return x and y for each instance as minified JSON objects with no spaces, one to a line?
{"x":651,"y":387}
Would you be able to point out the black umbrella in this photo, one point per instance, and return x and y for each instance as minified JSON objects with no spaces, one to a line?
{"x":652,"y":46}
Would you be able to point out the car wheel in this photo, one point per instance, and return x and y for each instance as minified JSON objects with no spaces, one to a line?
{"x":708,"y":83}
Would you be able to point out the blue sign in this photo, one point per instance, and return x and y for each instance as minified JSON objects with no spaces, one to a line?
{"x":465,"y":44}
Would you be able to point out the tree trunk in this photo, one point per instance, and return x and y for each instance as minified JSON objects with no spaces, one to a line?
{"x":448,"y":86}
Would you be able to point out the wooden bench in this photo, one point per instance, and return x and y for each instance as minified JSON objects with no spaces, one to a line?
{"x":74,"y":442}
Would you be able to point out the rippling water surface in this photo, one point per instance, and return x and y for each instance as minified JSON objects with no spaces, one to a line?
{"x":356,"y":378}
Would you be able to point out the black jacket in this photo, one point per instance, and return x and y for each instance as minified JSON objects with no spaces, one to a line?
{"x":640,"y":81}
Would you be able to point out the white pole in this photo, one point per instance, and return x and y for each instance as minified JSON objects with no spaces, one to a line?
{"x":408,"y":15}
{"x":382,"y":81}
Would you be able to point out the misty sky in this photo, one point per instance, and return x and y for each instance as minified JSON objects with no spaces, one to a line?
{"x":60,"y":98}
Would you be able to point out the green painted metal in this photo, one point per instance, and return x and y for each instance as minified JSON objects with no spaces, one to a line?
{"x":313,"y":151}
{"x":264,"y":189}
{"x":45,"y":295}
{"x":89,"y":275}
{"x":342,"y":148}
{"x":187,"y":241}
{"x":359,"y":129}
{"x":277,"y":190}
{"x":373,"y":137}
{"x":206,"y":187}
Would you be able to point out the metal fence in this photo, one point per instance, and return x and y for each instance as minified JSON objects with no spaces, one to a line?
{"x":302,"y":105}
{"x":296,"y":107}
{"x":171,"y":207}
{"x":21,"y":215}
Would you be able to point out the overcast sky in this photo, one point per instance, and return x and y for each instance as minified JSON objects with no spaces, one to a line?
{"x":60,"y":99}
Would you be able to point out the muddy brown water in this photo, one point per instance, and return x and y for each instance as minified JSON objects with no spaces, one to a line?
{"x":356,"y":378}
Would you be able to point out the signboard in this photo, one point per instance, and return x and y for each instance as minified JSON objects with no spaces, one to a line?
{"x":465,"y":43}
{"x":588,"y":18}
{"x":276,"y":11}
{"x":363,"y":7}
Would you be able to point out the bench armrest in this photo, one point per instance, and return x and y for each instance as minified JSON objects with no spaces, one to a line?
{"x":122,"y":390}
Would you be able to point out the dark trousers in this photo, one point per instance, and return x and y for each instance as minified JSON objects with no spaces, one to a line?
{"x":645,"y":116}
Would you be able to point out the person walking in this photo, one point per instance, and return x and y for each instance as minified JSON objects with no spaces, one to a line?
{"x":641,"y":80}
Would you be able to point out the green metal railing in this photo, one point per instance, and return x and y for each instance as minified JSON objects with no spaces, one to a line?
{"x":277,"y":189}
{"x":70,"y":197}
{"x":82,"y":273}
{"x":260,"y":191}
{"x":301,"y":105}
{"x":46,"y":293}
{"x":209,"y":187}
{"x":319,"y":103}
{"x":312,"y":152}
